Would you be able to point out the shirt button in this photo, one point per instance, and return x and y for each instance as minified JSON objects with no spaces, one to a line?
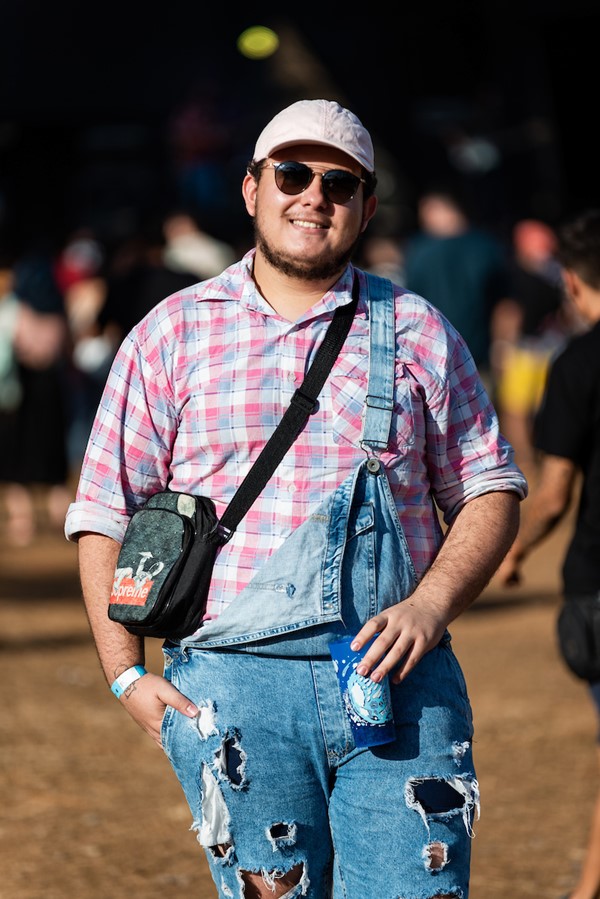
{"x":291,"y":376}
{"x":291,"y":488}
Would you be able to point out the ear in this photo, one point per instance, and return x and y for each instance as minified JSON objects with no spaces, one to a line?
{"x":571,"y":283}
{"x":580,"y":294}
{"x":370,"y":206}
{"x":249,"y":189}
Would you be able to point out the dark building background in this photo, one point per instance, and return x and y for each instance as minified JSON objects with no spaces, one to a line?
{"x":111,"y":113}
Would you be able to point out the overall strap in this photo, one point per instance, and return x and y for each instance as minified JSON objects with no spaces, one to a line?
{"x":382,"y":354}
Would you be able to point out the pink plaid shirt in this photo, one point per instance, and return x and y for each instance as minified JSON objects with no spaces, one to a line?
{"x":199,"y":385}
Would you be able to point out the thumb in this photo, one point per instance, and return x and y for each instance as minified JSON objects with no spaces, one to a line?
{"x":170,"y":695}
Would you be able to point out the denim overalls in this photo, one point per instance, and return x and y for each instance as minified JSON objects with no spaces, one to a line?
{"x":269,"y":766}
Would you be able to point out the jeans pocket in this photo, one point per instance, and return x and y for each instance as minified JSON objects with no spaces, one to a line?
{"x":169,"y":663}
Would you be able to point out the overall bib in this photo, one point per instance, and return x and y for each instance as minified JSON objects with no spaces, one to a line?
{"x":269,"y":766}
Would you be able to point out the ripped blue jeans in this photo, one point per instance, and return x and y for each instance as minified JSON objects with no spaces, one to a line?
{"x":275,"y":784}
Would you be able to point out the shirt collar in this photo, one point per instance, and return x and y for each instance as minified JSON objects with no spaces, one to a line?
{"x":339,"y":294}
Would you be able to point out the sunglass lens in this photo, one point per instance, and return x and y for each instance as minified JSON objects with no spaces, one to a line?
{"x":340,"y":186}
{"x":292,"y":177}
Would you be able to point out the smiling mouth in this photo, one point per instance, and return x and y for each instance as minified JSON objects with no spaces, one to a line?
{"x":309,"y":226}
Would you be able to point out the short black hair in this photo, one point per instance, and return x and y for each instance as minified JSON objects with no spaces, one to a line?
{"x":579,"y":246}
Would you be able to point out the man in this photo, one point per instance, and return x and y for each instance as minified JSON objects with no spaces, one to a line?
{"x":249,"y":710}
{"x":567,"y":433}
{"x":460,"y":267}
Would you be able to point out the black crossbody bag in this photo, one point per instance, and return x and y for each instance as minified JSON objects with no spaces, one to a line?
{"x":165,"y":564}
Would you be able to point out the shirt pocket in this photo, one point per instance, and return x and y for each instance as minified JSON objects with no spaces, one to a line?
{"x":349,"y":396}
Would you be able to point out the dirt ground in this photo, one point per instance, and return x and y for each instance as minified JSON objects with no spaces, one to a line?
{"x":91,"y":809}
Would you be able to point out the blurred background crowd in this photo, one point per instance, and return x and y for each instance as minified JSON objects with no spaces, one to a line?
{"x":124,"y":140}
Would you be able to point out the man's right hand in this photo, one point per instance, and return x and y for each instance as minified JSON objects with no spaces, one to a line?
{"x":148,"y":697}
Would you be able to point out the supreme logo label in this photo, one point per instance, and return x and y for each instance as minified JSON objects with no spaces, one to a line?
{"x":131,"y":587}
{"x":127,"y":591}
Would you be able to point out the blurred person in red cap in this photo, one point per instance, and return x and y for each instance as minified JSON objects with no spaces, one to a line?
{"x":528,"y":330}
{"x":345,"y":539}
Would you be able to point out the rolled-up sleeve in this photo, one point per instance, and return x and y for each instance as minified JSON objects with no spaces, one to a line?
{"x":467,"y":454}
{"x":128,"y":453}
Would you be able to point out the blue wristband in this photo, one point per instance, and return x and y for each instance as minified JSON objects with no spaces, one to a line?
{"x":126,"y":679}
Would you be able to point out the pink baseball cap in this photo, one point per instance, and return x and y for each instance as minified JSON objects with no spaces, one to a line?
{"x":317,"y":122}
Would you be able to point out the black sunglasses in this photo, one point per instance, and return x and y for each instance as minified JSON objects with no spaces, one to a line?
{"x":294,"y":177}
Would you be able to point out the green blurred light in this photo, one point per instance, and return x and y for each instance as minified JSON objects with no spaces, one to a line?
{"x":257,"y":42}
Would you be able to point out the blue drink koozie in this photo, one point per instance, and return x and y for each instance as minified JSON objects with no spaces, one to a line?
{"x":368,"y":705}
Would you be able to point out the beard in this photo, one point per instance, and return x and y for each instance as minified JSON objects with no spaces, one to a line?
{"x":328,"y":265}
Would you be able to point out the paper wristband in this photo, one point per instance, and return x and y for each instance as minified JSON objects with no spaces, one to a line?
{"x":126,"y":679}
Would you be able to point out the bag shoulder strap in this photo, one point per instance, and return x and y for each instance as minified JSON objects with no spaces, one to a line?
{"x":302,"y":404}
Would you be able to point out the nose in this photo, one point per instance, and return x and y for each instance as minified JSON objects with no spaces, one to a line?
{"x":314,"y":193}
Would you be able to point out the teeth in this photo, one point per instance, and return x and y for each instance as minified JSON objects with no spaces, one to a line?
{"x":306,"y":224}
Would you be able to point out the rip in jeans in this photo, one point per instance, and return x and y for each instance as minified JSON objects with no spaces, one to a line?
{"x":214,"y":832}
